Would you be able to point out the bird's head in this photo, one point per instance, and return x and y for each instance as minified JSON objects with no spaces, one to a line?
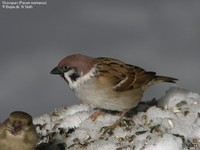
{"x":18,"y":121}
{"x":74,"y":67}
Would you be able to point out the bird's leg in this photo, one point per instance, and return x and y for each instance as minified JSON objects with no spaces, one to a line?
{"x":116,"y":124}
{"x":97,"y":113}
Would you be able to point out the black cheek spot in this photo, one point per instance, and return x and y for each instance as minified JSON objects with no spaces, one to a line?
{"x":74,"y":76}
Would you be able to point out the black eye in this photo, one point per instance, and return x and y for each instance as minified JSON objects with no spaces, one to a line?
{"x":65,"y":68}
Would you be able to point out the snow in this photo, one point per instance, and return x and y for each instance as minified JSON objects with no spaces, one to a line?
{"x":167,"y":142}
{"x":172,"y":124}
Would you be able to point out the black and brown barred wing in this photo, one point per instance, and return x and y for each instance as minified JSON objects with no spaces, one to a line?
{"x":125,"y":77}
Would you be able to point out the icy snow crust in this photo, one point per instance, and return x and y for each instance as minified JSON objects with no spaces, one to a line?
{"x":172,"y":124}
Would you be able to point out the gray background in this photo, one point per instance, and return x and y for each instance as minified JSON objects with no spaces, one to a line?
{"x":157,"y":36}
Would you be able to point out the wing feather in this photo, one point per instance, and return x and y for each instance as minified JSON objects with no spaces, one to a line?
{"x":123,"y":76}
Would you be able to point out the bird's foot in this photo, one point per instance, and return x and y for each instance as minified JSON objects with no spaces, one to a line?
{"x":109,"y":129}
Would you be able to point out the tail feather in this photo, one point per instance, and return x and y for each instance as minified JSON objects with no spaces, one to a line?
{"x":160,"y":79}
{"x":165,"y":79}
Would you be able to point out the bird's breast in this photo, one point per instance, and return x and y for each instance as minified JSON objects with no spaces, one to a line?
{"x":106,"y":97}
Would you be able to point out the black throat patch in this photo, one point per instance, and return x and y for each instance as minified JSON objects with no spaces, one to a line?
{"x":63,"y":76}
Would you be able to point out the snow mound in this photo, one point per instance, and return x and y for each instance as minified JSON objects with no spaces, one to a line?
{"x":172,"y":124}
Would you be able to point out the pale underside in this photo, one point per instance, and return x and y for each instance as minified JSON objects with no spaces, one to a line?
{"x":105,"y":97}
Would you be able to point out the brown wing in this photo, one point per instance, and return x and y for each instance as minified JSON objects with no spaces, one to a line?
{"x":122,"y":76}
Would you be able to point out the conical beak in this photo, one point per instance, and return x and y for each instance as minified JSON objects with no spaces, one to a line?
{"x":56,"y":70}
{"x":17,"y":126}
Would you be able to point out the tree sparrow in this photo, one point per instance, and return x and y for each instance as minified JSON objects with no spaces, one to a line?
{"x":105,"y":82}
{"x":18,"y":132}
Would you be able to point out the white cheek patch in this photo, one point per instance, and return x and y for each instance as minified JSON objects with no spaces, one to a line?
{"x":67,"y":76}
{"x":79,"y":81}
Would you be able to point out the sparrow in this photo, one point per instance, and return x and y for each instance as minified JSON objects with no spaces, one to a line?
{"x":106,"y":83}
{"x":18,"y":132}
